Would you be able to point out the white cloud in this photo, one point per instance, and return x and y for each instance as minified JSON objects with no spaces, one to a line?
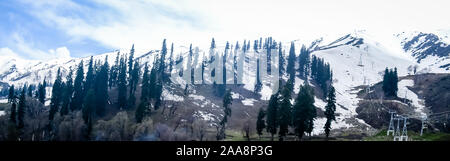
{"x":61,"y":52}
{"x":7,"y":52}
{"x":146,"y":22}
{"x":27,"y":50}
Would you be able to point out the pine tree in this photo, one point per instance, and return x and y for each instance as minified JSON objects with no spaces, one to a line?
{"x":13,"y":114}
{"x":189,"y":61}
{"x":130,"y":62}
{"x":260,"y":122}
{"x":303,"y":62}
{"x":56,"y":95}
{"x":304,"y":111}
{"x":330,"y":108}
{"x":21,"y":110}
{"x":162,"y":63}
{"x":227,"y":101}
{"x":114,"y":72}
{"x":285,"y":112}
{"x":101,"y":89}
{"x":134,"y":79}
{"x":30,"y":90}
{"x":141,"y":110}
{"x":145,"y":93}
{"x":41,"y":92}
{"x":390,"y":82}
{"x":244,"y":47}
{"x":290,"y":69}
{"x":143,"y":106}
{"x":90,"y":77}
{"x":258,"y":83}
{"x":213,"y":44}
{"x":11,"y":94}
{"x":260,"y":42}
{"x":394,"y":83}
{"x":171,"y":60}
{"x":314,"y":67}
{"x":88,"y":109}
{"x":280,"y":60}
{"x":67,"y":94}
{"x":122,"y":85}
{"x":78,"y":93}
{"x":272,"y":115}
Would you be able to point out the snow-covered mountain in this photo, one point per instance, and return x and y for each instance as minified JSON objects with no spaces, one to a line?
{"x":427,"y":48}
{"x":356,"y":59}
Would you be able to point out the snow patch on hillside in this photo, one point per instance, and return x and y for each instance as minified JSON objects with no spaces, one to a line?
{"x":319,"y":123}
{"x":3,"y":100}
{"x":171,"y":97}
{"x":404,"y":92}
{"x":248,"y":102}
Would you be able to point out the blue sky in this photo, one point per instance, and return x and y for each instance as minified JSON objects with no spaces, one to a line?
{"x":44,"y":29}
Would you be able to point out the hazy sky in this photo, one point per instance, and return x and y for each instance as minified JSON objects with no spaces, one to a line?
{"x":43,"y":29}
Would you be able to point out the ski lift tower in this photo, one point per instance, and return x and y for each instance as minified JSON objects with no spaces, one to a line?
{"x":360,"y":60}
{"x":391,"y":128}
{"x":397,"y":135}
{"x":424,"y":125}
{"x":404,"y":136}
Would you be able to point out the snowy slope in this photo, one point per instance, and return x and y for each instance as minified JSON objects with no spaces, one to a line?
{"x":356,"y":59}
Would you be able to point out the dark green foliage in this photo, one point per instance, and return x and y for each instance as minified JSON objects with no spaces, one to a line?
{"x":162,"y":63}
{"x":57,"y":92}
{"x":13,"y":115}
{"x":258,"y":83}
{"x":227,"y":101}
{"x":114,"y":72}
{"x":30,"y":90}
{"x":11,"y":94}
{"x":88,"y":109}
{"x":41,"y":92}
{"x":304,"y":111}
{"x":90,"y":77}
{"x":122,"y":84}
{"x":145,"y":91}
{"x":330,"y":108}
{"x":290,"y":69}
{"x":141,"y":111}
{"x":390,"y":82}
{"x":303,"y":62}
{"x":213,"y":44}
{"x":321,"y":73}
{"x":260,"y":42}
{"x":272,"y":115}
{"x":130,"y":62}
{"x":101,"y":89}
{"x":285,"y":112}
{"x":134,"y":79}
{"x":67,"y":94}
{"x":171,"y":60}
{"x":78,"y":92}
{"x":281,"y":60}
{"x":21,"y":110}
{"x":145,"y":95}
{"x":260,"y":122}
